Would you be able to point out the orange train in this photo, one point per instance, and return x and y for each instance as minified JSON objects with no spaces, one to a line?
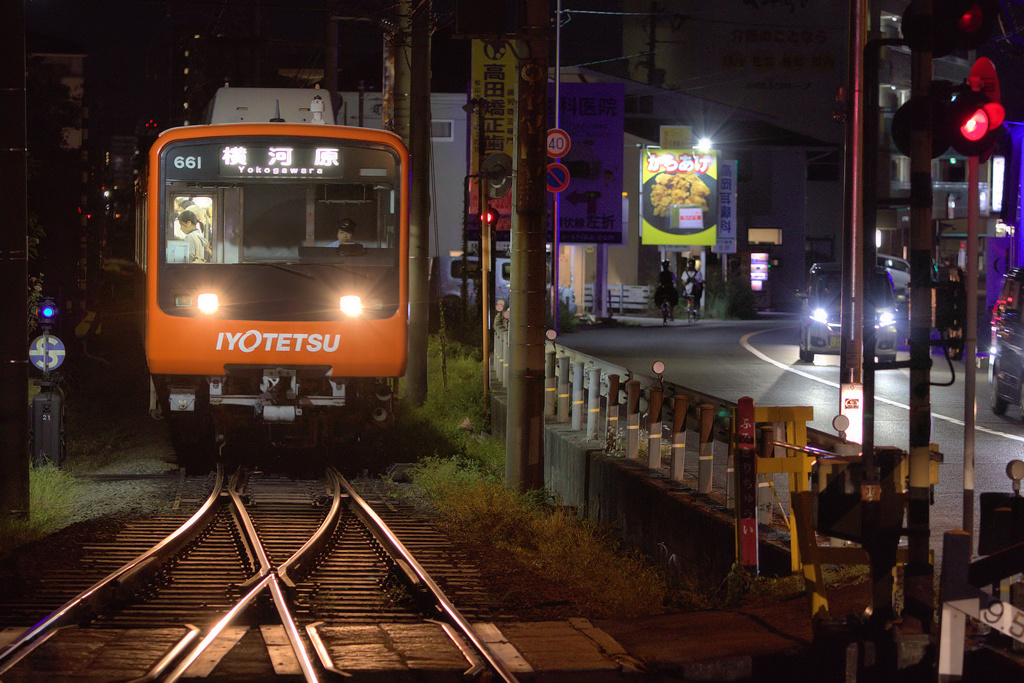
{"x":275,"y":251}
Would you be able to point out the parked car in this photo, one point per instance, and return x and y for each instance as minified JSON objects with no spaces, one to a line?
{"x":446,"y":282}
{"x":899,"y":271}
{"x":1006,"y":360}
{"x":820,"y":322}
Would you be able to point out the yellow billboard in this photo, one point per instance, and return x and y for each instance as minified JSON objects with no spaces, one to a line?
{"x":678,"y":197}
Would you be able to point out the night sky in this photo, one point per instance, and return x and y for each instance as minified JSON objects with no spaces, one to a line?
{"x":130,"y":45}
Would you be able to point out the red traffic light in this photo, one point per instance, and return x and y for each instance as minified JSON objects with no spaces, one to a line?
{"x":982,"y":121}
{"x":974,"y":123}
{"x":953,"y":25}
{"x":490,"y":216}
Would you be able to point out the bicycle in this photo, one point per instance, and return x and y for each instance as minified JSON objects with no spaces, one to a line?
{"x":692,"y":309}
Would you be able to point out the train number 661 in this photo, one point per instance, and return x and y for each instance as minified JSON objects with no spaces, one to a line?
{"x":188,"y":162}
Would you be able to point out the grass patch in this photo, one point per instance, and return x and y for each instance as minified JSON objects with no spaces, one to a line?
{"x":461,"y":472}
{"x":51,"y":494}
{"x":572,"y":562}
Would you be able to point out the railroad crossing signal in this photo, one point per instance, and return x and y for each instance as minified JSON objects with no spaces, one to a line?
{"x":968,"y":117}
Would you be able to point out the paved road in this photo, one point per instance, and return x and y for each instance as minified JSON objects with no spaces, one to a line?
{"x":759,"y":359}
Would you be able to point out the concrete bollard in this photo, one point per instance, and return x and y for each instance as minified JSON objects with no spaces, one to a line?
{"x":593,"y":402}
{"x":654,"y":429}
{"x":506,"y":341}
{"x":680,"y":404}
{"x":633,"y":419}
{"x":498,"y":352}
{"x":563,"y":389}
{"x":577,"y":395}
{"x":612,"y":427}
{"x":766,"y":438}
{"x":706,"y":457}
{"x":550,"y":384}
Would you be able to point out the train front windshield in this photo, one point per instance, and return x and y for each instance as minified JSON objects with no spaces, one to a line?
{"x":326,"y":210}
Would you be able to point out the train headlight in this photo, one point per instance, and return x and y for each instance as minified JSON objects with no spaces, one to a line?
{"x":820,"y":315}
{"x":351,"y":305}
{"x":207,"y":303}
{"x":886,"y":318}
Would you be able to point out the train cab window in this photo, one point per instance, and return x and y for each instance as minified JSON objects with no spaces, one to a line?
{"x":191,"y":234}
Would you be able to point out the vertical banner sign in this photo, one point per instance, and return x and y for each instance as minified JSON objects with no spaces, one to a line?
{"x":746,"y":485}
{"x":726,"y":240}
{"x":592,"y":115}
{"x":679,"y":197}
{"x":494,"y":82}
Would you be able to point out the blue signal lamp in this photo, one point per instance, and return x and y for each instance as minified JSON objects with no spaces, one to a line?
{"x":46,"y":314}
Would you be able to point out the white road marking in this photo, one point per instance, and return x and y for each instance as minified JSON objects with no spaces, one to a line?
{"x":744,"y":341}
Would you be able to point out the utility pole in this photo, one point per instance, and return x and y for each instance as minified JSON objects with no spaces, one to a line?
{"x":419,"y":223}
{"x":524,"y":445}
{"x":14,"y":462}
{"x":410,"y":67}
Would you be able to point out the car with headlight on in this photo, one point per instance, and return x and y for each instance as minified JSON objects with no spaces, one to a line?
{"x":820,"y":322}
{"x":1006,"y":353}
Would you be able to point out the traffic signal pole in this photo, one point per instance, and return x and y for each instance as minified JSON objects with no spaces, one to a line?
{"x":919,"y":588}
{"x":851,"y":311}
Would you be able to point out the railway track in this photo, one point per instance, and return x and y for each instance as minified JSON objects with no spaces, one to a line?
{"x":329,"y":583}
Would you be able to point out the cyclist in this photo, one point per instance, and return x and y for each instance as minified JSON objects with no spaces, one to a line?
{"x":666,"y":296}
{"x":693,"y":288}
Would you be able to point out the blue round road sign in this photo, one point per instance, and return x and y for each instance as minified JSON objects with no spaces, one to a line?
{"x":46,"y":352}
{"x":558,"y":177}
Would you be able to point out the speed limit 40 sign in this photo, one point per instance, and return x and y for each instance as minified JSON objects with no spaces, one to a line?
{"x":558,"y":143}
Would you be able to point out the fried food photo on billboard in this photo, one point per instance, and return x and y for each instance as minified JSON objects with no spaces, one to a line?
{"x":678,"y":188}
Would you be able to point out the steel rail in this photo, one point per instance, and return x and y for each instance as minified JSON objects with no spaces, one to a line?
{"x":98,"y":595}
{"x":418,"y":574}
{"x":270,"y":577}
{"x":299,"y":561}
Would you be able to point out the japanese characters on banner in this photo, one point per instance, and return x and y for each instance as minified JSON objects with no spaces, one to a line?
{"x":726,"y":243}
{"x":590,"y":208}
{"x":494,"y":80}
{"x":679,"y":197}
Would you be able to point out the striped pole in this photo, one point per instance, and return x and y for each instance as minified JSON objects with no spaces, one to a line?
{"x":612,"y":428}
{"x":593,"y":402}
{"x":577,"y":395}
{"x":563,"y":389}
{"x":679,"y":406}
{"x":706,"y":457}
{"x":550,"y":384}
{"x":633,"y":419}
{"x":654,"y":429}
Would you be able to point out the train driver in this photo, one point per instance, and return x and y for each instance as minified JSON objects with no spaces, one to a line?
{"x":198,"y":247}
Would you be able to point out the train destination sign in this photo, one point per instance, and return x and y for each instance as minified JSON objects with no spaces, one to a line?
{"x":290,"y":158}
